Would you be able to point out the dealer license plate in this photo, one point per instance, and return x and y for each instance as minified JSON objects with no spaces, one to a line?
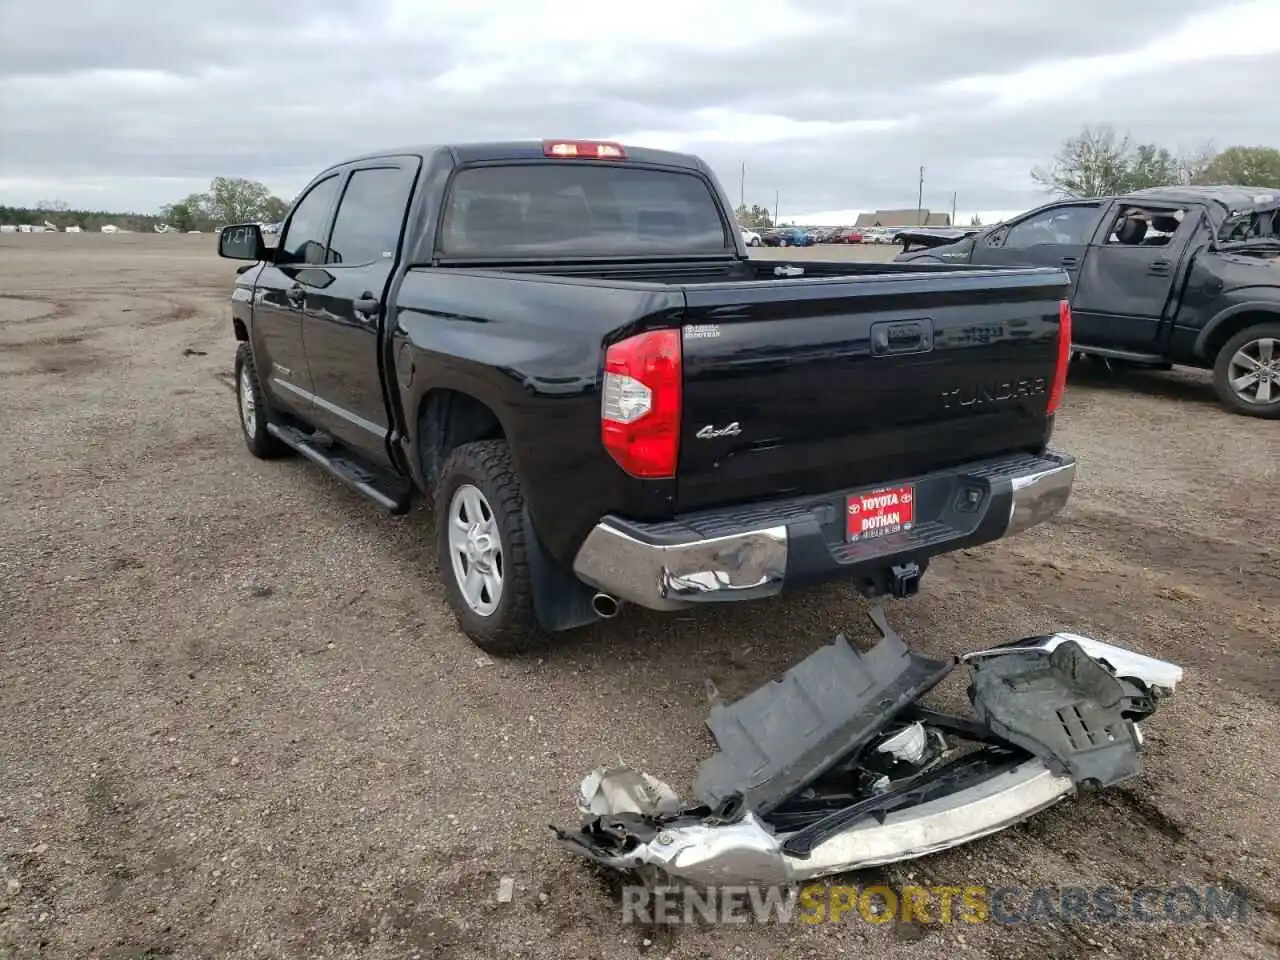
{"x":877,"y":513}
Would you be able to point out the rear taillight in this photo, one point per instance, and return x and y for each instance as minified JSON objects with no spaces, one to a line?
{"x":1064,"y":358}
{"x":640,"y":404}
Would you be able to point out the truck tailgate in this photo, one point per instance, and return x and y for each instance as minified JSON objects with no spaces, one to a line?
{"x":804,"y":386}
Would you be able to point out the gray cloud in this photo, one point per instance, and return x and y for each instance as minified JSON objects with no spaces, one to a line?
{"x":275,"y":91}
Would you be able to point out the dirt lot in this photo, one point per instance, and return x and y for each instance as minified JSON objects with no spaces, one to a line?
{"x":236,"y":719}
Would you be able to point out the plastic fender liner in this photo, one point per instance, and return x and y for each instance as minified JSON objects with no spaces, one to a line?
{"x":782,"y":736}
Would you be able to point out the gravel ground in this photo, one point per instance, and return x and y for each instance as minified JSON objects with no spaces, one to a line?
{"x":236,"y":719}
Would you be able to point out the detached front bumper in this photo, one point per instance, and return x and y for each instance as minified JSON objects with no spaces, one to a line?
{"x":836,"y":765}
{"x":754,"y":551}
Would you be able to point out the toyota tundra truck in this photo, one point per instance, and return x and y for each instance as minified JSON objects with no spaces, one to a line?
{"x":565,"y":347}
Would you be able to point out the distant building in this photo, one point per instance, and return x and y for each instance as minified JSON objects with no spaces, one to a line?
{"x":903,"y":218}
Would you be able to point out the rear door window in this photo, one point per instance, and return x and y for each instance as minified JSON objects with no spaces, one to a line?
{"x":370,"y":215}
{"x":567,"y":208}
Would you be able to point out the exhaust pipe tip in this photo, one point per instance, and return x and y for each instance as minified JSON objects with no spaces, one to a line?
{"x":605,"y":606}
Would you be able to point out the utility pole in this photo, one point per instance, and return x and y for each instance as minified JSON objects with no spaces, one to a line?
{"x":920,"y":200}
{"x":742,"y":186}
{"x":775,"y":208}
{"x":953,"y":208}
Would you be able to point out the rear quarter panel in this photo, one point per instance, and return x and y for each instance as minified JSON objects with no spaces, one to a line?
{"x":530,"y":347}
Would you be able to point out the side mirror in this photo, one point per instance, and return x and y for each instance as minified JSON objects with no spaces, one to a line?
{"x":242,"y":241}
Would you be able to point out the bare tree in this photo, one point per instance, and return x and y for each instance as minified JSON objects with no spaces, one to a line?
{"x":1093,"y":163}
{"x":1194,"y":164}
{"x":1099,"y":163}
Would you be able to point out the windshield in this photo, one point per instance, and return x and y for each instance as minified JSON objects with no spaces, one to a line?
{"x":568,"y":208}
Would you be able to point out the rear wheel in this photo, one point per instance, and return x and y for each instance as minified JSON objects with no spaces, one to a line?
{"x":480,"y":548}
{"x":254,"y":412}
{"x":1246,"y":374}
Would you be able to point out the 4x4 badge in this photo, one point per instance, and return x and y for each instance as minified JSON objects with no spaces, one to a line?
{"x":711,"y":432}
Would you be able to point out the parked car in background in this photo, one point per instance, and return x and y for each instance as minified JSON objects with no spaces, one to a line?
{"x":789,"y":237}
{"x":750,"y":237}
{"x":1163,"y":276}
{"x":846,"y":235}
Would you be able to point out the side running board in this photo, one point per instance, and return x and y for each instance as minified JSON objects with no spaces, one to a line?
{"x":349,"y":471}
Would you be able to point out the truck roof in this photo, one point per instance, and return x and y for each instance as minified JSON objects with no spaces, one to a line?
{"x":525,"y":150}
{"x":1233,"y":199}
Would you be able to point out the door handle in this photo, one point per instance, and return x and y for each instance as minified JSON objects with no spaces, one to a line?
{"x":1069,"y":261}
{"x":365,"y":304}
{"x":295,"y":295}
{"x":1160,"y":268}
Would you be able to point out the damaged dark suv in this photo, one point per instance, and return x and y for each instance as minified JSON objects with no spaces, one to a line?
{"x":1164,"y":276}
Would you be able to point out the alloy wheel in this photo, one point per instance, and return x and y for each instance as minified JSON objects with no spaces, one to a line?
{"x":475,"y":547}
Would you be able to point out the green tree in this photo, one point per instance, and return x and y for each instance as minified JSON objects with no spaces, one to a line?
{"x":1151,"y":166}
{"x":975,"y":221}
{"x":228,"y":200}
{"x":274,"y":209}
{"x":237,"y":200}
{"x":62,"y":216}
{"x":188,"y":214}
{"x":1244,"y":166}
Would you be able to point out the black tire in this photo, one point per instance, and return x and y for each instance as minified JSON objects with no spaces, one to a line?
{"x":1222,"y":373}
{"x":263,"y":445}
{"x":512,"y":627}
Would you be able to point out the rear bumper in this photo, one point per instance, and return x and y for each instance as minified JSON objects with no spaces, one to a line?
{"x":754,"y":551}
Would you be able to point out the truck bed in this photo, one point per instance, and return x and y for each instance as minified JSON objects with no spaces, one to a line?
{"x":849,"y":376}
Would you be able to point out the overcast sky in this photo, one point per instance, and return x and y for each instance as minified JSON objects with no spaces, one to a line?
{"x":833,"y":104}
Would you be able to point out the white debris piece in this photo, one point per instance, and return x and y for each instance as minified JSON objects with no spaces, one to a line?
{"x":624,"y":790}
{"x":506,"y":890}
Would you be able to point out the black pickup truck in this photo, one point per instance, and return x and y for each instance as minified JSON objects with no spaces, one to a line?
{"x":566,"y":346}
{"x":1168,"y":275}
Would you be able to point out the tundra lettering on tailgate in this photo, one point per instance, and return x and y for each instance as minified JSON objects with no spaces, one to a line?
{"x":996,"y":391}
